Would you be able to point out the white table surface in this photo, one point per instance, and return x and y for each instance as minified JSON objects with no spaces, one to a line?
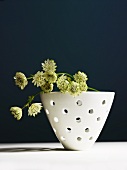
{"x":52,"y":156}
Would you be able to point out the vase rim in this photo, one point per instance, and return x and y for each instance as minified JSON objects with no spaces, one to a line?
{"x":90,"y":92}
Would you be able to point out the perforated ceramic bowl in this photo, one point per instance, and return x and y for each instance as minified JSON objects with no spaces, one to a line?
{"x":77,"y":121}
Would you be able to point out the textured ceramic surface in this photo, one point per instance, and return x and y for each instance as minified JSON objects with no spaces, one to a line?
{"x":77,"y":121}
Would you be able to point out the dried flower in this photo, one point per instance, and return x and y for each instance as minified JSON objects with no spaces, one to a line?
{"x":49,"y":65}
{"x":34,"y":109}
{"x":20,"y":80}
{"x":39,"y":79}
{"x":16,"y":112}
{"x":80,"y":77}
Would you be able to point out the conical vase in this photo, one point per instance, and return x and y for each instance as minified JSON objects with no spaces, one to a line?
{"x":77,"y":121}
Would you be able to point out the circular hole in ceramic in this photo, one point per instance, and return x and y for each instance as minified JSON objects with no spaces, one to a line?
{"x":79,"y":138}
{"x":79,"y":103}
{"x":52,"y":103}
{"x":46,"y":110}
{"x":62,"y":138}
{"x":78,"y":119}
{"x":103,"y":102}
{"x":56,"y":119}
{"x":98,"y":119}
{"x":90,"y":111}
{"x":68,"y":129}
{"x":65,"y":111}
{"x":87,"y":130}
{"x":91,"y":138}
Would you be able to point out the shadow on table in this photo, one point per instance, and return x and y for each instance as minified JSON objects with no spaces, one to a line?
{"x":30,"y":149}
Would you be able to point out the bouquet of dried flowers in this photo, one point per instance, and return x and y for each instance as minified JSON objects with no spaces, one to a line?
{"x":45,"y":80}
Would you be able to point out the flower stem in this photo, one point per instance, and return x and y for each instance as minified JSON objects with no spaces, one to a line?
{"x":90,"y":88}
{"x":29,"y":78}
{"x":30,"y":99}
{"x":59,"y":74}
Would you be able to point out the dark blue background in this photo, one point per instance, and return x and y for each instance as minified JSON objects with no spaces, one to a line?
{"x":90,"y":36}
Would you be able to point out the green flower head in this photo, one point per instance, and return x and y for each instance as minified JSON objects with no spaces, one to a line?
{"x":50,"y":77}
{"x":16,"y":112}
{"x":39,"y":79}
{"x":80,"y":77}
{"x":34,"y":109}
{"x":49,"y":65}
{"x":74,"y":88}
{"x":63,"y":83}
{"x":47,"y":87}
{"x":20,"y":80}
{"x":83,"y":86}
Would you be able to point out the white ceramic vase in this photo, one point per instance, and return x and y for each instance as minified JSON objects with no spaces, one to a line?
{"x":77,"y":121}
